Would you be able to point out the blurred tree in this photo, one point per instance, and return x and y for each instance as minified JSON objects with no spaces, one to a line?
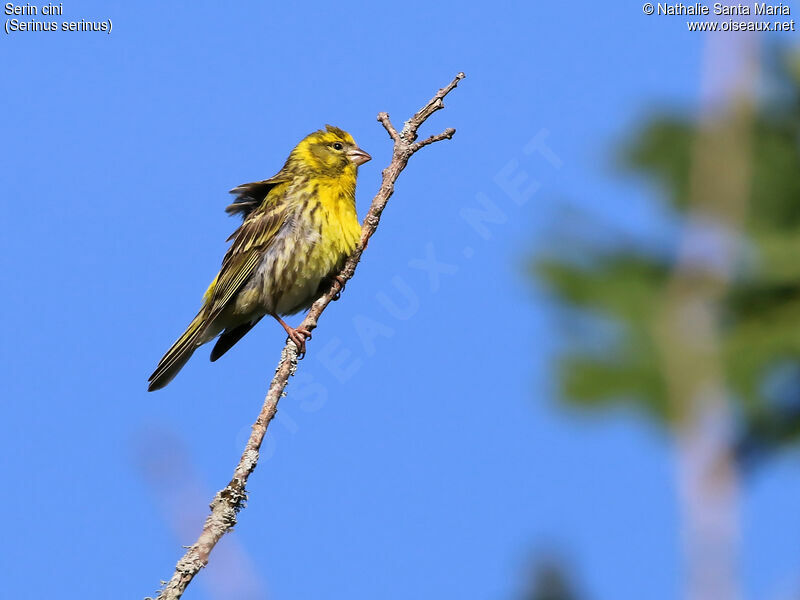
{"x":702,"y":332}
{"x":759,"y":317}
{"x":550,"y":580}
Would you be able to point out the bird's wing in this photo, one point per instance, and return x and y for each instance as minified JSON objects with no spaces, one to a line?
{"x":249,"y":242}
{"x":249,"y":196}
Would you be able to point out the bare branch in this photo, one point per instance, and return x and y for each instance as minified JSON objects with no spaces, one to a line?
{"x":230,"y":500}
{"x":436,"y":103}
{"x":447,"y":134}
{"x":384,"y":118}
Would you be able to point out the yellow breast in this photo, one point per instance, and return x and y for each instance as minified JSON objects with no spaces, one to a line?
{"x":325,"y":232}
{"x":334,"y":213}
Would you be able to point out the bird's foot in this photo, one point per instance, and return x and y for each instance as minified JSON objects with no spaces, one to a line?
{"x":339,"y":282}
{"x":299,"y":337}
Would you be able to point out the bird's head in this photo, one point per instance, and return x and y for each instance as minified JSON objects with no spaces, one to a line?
{"x":331,"y":152}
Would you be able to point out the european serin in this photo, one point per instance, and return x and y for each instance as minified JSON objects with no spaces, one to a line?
{"x":298,"y":229}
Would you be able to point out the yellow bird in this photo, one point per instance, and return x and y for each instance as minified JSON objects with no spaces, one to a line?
{"x":298,"y":229}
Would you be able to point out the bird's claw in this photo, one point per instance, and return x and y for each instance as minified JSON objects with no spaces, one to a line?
{"x":299,"y":337}
{"x":339,"y":281}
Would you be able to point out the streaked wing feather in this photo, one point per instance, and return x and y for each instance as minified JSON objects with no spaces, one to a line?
{"x":235,"y":275}
{"x":250,"y":241}
{"x":249,"y":196}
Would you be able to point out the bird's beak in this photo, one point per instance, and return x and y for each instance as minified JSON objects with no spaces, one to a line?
{"x":358,"y":156}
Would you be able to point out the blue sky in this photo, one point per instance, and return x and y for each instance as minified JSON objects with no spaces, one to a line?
{"x":427,"y":459}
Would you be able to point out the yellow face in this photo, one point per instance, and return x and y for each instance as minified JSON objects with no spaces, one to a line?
{"x":331,"y":153}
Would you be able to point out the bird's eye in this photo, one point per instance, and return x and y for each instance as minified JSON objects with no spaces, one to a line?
{"x":337,"y":146}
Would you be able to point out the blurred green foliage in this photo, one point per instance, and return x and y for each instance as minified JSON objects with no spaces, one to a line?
{"x":759,"y":314}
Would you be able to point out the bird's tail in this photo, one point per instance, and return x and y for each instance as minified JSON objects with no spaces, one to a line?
{"x":178,"y":354}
